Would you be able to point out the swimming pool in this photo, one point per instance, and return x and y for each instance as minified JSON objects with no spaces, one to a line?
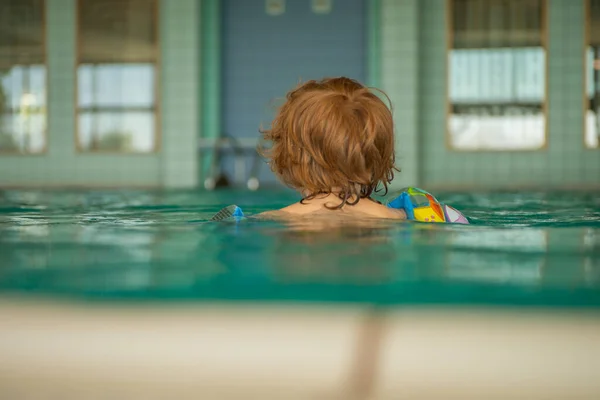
{"x":139,"y":293}
{"x":529,"y":248}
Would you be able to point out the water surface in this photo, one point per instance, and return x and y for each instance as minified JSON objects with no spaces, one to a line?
{"x":523,"y":248}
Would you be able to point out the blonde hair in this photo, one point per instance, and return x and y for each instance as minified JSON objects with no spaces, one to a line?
{"x":333,"y":136}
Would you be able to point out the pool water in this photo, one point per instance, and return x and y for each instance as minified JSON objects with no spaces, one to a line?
{"x":522,"y":248}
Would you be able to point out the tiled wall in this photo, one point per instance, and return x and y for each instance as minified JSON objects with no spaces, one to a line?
{"x":174,"y":165}
{"x":180,"y":63}
{"x":411,"y":69}
{"x":565,"y":161}
{"x":210,"y":88}
{"x":399,"y":79}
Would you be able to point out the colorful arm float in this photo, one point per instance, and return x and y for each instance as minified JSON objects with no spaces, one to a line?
{"x":420,"y":205}
{"x":228,"y":212}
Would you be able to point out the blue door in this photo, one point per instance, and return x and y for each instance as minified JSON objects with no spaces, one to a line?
{"x":265,"y":55}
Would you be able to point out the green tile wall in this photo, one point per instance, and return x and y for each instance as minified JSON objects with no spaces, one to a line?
{"x":564,"y":163}
{"x":180,"y":62}
{"x":399,"y":79}
{"x":174,"y":165}
{"x":410,"y":66}
{"x":210,"y":86}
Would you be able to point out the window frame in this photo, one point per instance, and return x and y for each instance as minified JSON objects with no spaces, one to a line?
{"x":45,"y":133}
{"x":448,"y":103}
{"x":157,"y":63}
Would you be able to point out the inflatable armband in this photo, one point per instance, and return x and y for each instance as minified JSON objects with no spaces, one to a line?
{"x":420,"y":205}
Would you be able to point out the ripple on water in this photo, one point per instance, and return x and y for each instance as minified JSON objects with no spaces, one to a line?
{"x":519,"y":247}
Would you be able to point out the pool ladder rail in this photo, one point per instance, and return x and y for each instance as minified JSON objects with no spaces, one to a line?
{"x":241,"y":148}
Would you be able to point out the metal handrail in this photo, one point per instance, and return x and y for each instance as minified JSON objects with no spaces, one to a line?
{"x":239,"y":147}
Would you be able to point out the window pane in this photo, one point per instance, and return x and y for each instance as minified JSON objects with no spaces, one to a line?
{"x":24,"y":86}
{"x":592,"y":114}
{"x":22,"y":132}
{"x":116,"y":131}
{"x":497,"y":75}
{"x":116,"y":75}
{"x":116,"y":85}
{"x":22,"y":77}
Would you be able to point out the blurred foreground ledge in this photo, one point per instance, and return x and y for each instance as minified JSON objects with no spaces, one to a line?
{"x":62,"y":350}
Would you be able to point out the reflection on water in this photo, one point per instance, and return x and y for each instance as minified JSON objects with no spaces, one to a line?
{"x":591,"y":250}
{"x":533,"y":248}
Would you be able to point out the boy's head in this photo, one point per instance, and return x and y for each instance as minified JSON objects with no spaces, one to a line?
{"x":333,"y":136}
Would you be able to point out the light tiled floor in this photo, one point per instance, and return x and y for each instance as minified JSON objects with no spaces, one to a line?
{"x":103,"y":351}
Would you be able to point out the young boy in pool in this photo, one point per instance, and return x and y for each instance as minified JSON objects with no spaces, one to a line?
{"x":333,"y":142}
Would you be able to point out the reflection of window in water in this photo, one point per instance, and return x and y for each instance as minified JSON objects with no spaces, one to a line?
{"x":121,"y":258}
{"x":132,"y":247}
{"x":497,"y":75}
{"x":117,"y":75}
{"x":591,"y":240}
{"x":25,"y":245}
{"x":497,"y":256}
{"x":591,"y":251}
{"x":592,"y":112}
{"x":22,"y":77}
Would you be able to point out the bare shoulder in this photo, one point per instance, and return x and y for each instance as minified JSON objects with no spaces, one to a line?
{"x":397,"y":214}
{"x":296,"y":209}
{"x":274,"y":214}
{"x":320,"y":207}
{"x":292,"y":211}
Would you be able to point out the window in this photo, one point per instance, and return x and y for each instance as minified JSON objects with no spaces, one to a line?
{"x":117,"y":76}
{"x":592,"y":73}
{"x":23,"y":122}
{"x":496,"y":75}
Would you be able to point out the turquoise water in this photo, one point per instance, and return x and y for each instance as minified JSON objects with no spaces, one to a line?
{"x":532,"y":248}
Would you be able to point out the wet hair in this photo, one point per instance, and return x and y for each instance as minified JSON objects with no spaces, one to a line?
{"x":333,"y":136}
